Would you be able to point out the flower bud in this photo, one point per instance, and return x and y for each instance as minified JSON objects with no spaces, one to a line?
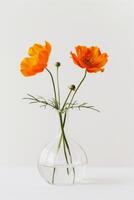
{"x":72,"y":87}
{"x":57,"y":64}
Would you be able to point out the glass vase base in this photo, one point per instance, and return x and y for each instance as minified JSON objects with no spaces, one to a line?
{"x":64,"y":165}
{"x":63,"y":175}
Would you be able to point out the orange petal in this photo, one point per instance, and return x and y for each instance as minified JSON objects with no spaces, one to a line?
{"x":83,"y":64}
{"x":35,"y":49}
{"x":43,"y":57}
{"x":95,"y":52}
{"x":81,"y":51}
{"x":31,"y":61}
{"x":48,"y":46}
{"x":39,"y":68}
{"x":26,"y":67}
{"x":94,"y":69}
{"x":27,"y":72}
{"x":76,"y":60}
{"x":37,"y":61}
{"x":101,"y":60}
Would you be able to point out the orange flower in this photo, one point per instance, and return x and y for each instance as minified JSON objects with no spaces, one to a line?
{"x":90,"y":58}
{"x":37,"y":60}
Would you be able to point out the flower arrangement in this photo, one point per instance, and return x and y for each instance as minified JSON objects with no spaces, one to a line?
{"x":90,"y":59}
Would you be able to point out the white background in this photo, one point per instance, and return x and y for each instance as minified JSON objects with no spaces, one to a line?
{"x":108,"y":138}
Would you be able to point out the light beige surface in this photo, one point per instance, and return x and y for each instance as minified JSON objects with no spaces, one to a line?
{"x":100,"y":184}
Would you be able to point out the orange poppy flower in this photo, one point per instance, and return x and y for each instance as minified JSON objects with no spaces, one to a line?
{"x":37,"y":60}
{"x":90,"y":58}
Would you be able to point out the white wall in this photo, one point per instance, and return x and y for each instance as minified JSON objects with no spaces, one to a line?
{"x":108,"y":137}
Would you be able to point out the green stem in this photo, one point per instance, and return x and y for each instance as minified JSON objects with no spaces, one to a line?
{"x":65,"y":153}
{"x":58,"y":86}
{"x":66,"y":100}
{"x":77,"y":88}
{"x":63,"y":127}
{"x":75,"y":93}
{"x":60,"y":142}
{"x":65,"y":116}
{"x":54,"y":170}
{"x":66,"y":145}
{"x":61,"y":138}
{"x":53,"y":83}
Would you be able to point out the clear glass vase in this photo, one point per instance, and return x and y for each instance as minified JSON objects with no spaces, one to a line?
{"x":63,"y":161}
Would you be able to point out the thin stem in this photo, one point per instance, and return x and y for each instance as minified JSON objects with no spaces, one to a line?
{"x":65,"y":116}
{"x":64,"y":147}
{"x":63,"y":127}
{"x":66,"y":144}
{"x":78,"y":88}
{"x":61,"y":137}
{"x":53,"y":83}
{"x":63,"y":134}
{"x":58,"y":85}
{"x":60,"y":142}
{"x":75,"y":93}
{"x":66,"y":100}
{"x":54,"y":170}
{"x":65,"y":153}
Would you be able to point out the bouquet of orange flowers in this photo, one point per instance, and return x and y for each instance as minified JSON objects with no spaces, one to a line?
{"x":91,"y":60}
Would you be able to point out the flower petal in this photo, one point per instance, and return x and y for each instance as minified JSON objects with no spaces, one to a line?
{"x":101,"y":60}
{"x":95,"y":52}
{"x":81,"y":51}
{"x":35,"y":49}
{"x":76,"y":60}
{"x":48,"y":46}
{"x":94,"y":69}
{"x":27,"y":66}
{"x":90,"y":58}
{"x":37,"y":61}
